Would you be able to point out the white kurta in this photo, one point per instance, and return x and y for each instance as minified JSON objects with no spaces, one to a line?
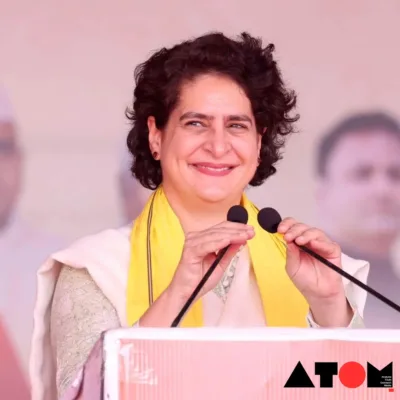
{"x":106,"y":258}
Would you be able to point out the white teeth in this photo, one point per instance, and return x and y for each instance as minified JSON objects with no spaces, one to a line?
{"x":216,"y":169}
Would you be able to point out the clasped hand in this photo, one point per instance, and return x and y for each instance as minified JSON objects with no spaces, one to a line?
{"x":200,"y":251}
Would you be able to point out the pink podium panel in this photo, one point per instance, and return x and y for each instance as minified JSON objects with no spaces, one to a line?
{"x":256,"y":364}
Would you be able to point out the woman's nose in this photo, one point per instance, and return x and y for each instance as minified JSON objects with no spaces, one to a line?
{"x":218,"y":142}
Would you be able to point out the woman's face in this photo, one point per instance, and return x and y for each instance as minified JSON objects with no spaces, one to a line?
{"x":210,"y":146}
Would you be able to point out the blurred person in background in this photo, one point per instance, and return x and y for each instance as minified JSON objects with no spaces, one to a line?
{"x":22,"y":248}
{"x":358,"y":167}
{"x":132,"y":195}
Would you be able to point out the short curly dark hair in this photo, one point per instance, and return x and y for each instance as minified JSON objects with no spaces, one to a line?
{"x":245,"y":61}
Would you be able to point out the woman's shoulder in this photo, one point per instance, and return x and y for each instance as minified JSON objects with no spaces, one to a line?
{"x":109,"y":247}
{"x":79,"y":313}
{"x":72,"y":279}
{"x":95,"y":264}
{"x":77,"y":287}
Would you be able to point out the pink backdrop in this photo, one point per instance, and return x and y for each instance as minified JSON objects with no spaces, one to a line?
{"x":67,"y":69}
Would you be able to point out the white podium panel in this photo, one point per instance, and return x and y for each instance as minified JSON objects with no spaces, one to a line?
{"x":251,"y":364}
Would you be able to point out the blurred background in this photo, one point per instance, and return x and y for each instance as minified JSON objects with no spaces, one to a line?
{"x":66,"y":77}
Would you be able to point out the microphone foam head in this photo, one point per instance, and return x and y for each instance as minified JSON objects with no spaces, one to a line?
{"x":238,"y":214}
{"x":269,"y":219}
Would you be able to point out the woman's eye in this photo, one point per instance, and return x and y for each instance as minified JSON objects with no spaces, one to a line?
{"x":194,"y":123}
{"x":238,"y":126}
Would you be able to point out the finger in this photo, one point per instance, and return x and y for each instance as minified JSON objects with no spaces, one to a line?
{"x":292,"y":258}
{"x":310,"y":234}
{"x":294,"y":231}
{"x":223,"y":227}
{"x":222,"y":230}
{"x":325,"y":248}
{"x":229,"y":224}
{"x":219,"y":235}
{"x":286,"y":224}
{"x":213,"y":246}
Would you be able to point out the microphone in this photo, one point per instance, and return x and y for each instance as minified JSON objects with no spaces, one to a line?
{"x":269,"y":219}
{"x":235,"y":214}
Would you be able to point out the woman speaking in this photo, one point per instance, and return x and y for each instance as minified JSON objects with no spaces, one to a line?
{"x":210,"y":116}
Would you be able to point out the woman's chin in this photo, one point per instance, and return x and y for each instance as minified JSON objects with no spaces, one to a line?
{"x":214,"y":195}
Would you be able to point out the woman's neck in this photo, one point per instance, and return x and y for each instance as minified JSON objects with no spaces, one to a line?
{"x":196,"y":216}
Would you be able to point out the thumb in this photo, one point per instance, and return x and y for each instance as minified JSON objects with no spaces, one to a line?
{"x":292,"y":255}
{"x":228,"y":256}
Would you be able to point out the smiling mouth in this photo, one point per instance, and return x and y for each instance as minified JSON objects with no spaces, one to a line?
{"x":213,"y":169}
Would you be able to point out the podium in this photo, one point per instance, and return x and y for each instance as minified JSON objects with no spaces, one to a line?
{"x":251,"y":364}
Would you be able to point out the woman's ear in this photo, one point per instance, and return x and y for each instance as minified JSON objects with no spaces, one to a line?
{"x":154,"y":137}
{"x":260,"y":139}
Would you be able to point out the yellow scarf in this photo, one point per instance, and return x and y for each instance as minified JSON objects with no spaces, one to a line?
{"x":283,"y":304}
